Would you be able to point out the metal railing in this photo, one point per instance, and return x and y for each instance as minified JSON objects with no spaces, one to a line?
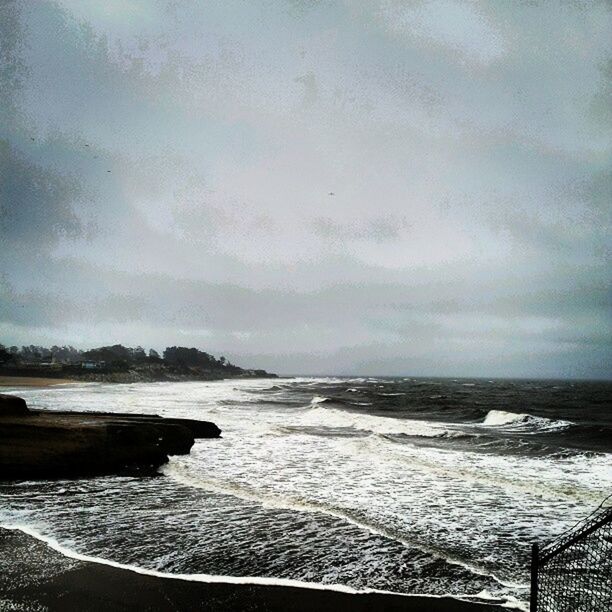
{"x":574,"y":572}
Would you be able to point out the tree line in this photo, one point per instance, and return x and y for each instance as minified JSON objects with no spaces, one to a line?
{"x":116,"y":354}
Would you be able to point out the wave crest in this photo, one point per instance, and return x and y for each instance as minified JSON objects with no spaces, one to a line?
{"x":333,"y":417}
{"x":500,"y":418}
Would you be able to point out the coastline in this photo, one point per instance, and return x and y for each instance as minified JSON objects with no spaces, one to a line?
{"x":129,"y":373}
{"x":35,"y":575}
{"x":44,"y":380}
{"x":34,"y":381}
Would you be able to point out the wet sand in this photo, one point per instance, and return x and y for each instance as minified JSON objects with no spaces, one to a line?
{"x":32,"y":381}
{"x":34,"y":576}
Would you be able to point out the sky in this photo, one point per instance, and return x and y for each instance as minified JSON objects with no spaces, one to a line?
{"x":417,"y":187}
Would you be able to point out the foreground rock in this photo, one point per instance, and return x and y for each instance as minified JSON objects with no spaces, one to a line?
{"x":11,"y":405}
{"x":46,"y":444}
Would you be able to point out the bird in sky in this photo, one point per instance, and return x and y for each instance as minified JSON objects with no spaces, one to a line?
{"x":331,"y":193}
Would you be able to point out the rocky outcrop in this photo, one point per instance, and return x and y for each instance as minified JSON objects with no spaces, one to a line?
{"x":11,"y":405}
{"x":52,"y":444}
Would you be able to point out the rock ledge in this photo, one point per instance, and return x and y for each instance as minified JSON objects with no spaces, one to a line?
{"x":53,"y":444}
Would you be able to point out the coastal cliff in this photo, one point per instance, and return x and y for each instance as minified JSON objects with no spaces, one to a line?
{"x":53,"y":444}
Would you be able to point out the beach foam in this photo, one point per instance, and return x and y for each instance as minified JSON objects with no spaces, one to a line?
{"x":180,"y":473}
{"x":55,"y":545}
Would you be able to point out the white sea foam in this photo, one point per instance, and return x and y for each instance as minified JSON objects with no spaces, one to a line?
{"x":501,"y":417}
{"x":497,"y":418}
{"x":332,"y":417}
{"x":317,"y":399}
{"x":426,"y":463}
{"x":287,"y":502}
{"x":208,"y":578}
{"x":511,"y":602}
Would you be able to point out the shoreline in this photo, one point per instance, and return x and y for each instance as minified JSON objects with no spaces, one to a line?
{"x":35,"y":381}
{"x":37,"y":573}
{"x":117,"y":378}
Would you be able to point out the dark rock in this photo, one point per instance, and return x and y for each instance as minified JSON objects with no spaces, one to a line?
{"x":199,"y":429}
{"x":45,"y":444}
{"x":12,"y":405}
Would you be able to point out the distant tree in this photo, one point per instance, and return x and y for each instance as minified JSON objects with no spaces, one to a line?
{"x":189,"y":357}
{"x":116,"y":356}
{"x":31,"y":353}
{"x":5,"y":355}
{"x":66,"y":354}
{"x":138,"y":354}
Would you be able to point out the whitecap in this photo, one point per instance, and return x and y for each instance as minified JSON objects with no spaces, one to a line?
{"x":500,"y":418}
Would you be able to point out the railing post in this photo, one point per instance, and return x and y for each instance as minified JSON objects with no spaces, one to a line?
{"x":533,"y":601}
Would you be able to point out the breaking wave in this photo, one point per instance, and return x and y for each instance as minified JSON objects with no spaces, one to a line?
{"x":500,"y":418}
{"x":332,"y":417}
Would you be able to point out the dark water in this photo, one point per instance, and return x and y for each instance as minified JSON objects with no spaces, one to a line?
{"x":586,"y":406}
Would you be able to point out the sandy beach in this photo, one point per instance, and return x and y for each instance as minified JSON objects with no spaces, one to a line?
{"x":32,"y":381}
{"x":34,"y":576}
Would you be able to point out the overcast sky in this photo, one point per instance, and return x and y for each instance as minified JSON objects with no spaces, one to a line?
{"x":167,"y":171}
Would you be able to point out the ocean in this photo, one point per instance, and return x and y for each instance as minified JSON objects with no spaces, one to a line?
{"x":409,"y":485}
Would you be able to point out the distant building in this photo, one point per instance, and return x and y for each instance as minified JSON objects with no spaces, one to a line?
{"x":92,"y":365}
{"x":51,"y":365}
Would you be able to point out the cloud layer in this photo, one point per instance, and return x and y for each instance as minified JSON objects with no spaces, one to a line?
{"x":385,"y":188}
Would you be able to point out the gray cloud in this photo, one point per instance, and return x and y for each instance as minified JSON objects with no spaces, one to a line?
{"x":36,"y":203}
{"x":166,"y":171}
{"x":378,"y":229}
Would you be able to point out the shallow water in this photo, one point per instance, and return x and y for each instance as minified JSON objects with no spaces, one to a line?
{"x":408,"y":485}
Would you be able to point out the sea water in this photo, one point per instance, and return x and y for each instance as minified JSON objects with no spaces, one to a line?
{"x":429,"y":486}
